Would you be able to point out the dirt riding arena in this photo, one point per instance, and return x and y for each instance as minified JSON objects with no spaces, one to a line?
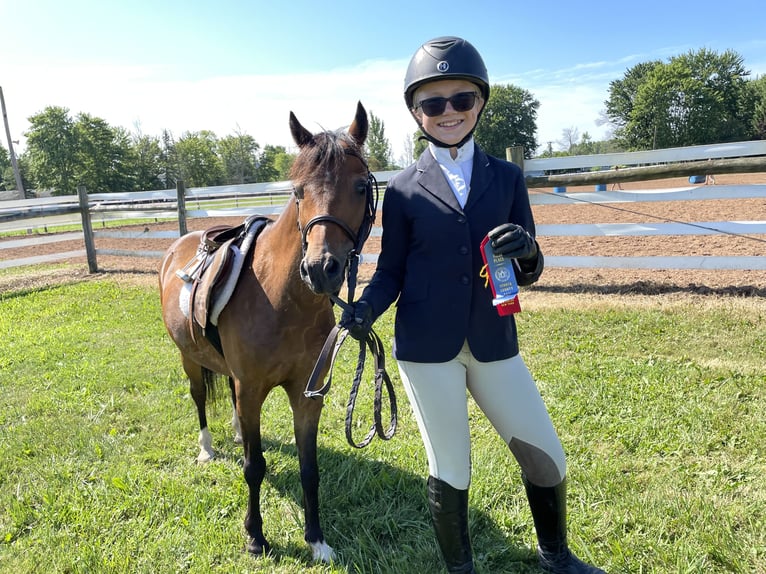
{"x":554,"y":280}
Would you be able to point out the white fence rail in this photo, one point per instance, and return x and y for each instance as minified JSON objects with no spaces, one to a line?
{"x":658,"y":156}
{"x":269,"y":199}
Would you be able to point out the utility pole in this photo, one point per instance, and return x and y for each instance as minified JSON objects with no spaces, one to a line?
{"x":16,"y":172}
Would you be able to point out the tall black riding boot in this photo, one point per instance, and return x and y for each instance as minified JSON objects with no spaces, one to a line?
{"x":449,"y":514}
{"x":548,"y":505}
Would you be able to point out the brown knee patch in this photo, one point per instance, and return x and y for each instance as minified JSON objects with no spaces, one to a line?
{"x":539,"y":468}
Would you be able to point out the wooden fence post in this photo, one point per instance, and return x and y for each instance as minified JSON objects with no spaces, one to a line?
{"x":515,"y":154}
{"x":181,"y":194}
{"x":87,"y":229}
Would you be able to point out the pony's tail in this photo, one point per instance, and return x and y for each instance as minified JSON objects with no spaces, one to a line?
{"x":214,"y":387}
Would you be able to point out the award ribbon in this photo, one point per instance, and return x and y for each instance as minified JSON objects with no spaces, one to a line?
{"x":499,"y":273}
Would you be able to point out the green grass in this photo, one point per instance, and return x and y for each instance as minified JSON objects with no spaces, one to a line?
{"x":662,"y":411}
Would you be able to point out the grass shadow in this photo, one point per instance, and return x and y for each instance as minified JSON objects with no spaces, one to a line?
{"x":375,"y":516}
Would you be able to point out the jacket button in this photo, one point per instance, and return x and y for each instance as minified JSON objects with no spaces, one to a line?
{"x":463,"y":250}
{"x":465,"y":280}
{"x":461,"y":219}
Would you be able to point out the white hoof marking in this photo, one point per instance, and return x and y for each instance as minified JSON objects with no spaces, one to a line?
{"x":321,"y":551}
{"x":205,"y":441}
{"x":237,"y":428}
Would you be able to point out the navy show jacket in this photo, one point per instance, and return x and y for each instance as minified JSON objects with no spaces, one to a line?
{"x":430,"y":260}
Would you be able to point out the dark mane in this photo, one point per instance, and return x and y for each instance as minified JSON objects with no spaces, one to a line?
{"x":324,"y":156}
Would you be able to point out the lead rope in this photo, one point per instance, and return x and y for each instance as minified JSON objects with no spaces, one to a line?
{"x":330,"y":351}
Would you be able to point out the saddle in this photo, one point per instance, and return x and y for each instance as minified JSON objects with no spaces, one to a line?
{"x":214,"y":270}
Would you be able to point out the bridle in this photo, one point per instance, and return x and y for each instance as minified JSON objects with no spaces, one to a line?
{"x":338,"y":334}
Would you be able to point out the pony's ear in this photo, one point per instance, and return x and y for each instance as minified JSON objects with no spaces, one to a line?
{"x":358,"y":128}
{"x":301,"y":136}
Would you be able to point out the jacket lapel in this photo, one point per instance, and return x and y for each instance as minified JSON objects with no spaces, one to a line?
{"x":481,"y":177}
{"x":433,"y":181}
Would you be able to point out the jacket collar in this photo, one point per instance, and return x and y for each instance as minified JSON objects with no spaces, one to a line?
{"x":432,"y":179}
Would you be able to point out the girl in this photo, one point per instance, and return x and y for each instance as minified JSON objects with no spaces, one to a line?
{"x":448,"y":335}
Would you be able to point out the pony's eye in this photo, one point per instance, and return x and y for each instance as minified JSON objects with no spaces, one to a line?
{"x":298,"y":191}
{"x":361,"y":186}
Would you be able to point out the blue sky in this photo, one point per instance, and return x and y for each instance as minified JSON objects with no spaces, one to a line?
{"x":244,"y":65}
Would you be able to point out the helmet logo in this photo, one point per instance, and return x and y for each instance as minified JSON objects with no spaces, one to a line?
{"x":443,"y":66}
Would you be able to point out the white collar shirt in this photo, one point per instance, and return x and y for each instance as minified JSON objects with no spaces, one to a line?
{"x":458,"y":170}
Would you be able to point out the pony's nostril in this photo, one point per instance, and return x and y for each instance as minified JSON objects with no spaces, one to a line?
{"x":331,"y":267}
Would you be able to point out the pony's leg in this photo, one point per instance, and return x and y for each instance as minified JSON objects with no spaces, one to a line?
{"x":198,"y":392}
{"x":306,"y":413}
{"x":254,"y":470}
{"x":235,"y":417}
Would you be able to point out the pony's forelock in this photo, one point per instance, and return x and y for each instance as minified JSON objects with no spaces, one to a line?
{"x":323,"y":157}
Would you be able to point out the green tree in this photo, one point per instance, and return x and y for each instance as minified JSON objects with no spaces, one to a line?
{"x":122,"y":168}
{"x":274,"y":164}
{"x":587,"y":146}
{"x":198,"y":161}
{"x":696,"y":98}
{"x":378,"y":150}
{"x":148,"y":168}
{"x":105,"y":160}
{"x":8,"y":178}
{"x":169,"y":168}
{"x":65,"y":152}
{"x":52,"y":149}
{"x":283,"y":163}
{"x":757,"y":89}
{"x":509,"y":119}
{"x":239,"y":155}
{"x":6,"y":169}
{"x":22,"y":162}
{"x":623,"y":93}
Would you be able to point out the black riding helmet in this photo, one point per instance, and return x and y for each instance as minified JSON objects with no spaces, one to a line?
{"x":445,"y":58}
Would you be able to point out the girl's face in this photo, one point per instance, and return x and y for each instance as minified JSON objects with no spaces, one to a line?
{"x":451,"y":126}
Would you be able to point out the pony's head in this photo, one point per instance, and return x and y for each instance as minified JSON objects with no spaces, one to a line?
{"x":334,"y":196}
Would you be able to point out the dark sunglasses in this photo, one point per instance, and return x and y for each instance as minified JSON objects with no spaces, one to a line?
{"x":461,"y":102}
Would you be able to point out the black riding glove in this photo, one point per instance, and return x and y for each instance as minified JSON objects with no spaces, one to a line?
{"x":358,"y":320}
{"x":511,"y":240}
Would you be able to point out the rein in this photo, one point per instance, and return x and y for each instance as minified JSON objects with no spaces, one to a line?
{"x":338,"y":334}
{"x":330,"y":351}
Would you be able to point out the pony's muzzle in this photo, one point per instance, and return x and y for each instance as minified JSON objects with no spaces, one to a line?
{"x":323,"y":275}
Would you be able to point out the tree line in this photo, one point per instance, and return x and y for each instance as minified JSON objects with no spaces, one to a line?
{"x":701,"y":97}
{"x":64,"y":151}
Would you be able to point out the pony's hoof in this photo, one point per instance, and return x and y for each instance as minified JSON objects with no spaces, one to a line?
{"x":257,"y":548}
{"x":205,"y":456}
{"x":321,"y":551}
